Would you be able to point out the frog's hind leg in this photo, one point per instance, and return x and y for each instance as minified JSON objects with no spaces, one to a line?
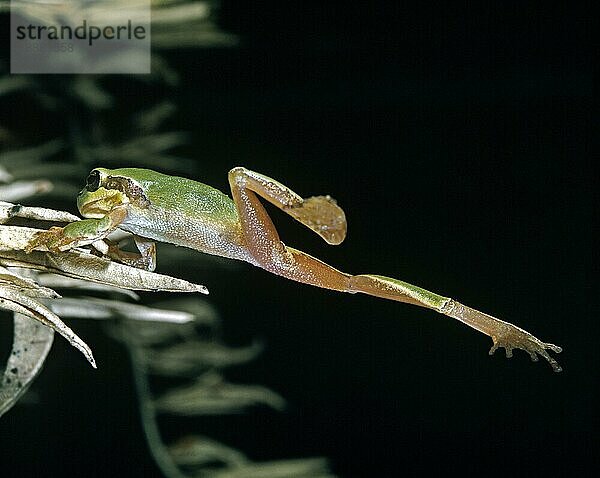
{"x":263,"y":244}
{"x":261,"y":238}
{"x":146,"y":259}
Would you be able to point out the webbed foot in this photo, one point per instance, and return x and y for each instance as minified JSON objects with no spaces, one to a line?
{"x":513,"y":337}
{"x":53,"y":240}
{"x":504,"y":334}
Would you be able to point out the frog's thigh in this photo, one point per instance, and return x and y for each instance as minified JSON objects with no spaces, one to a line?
{"x":319,"y":213}
{"x":262,"y":242}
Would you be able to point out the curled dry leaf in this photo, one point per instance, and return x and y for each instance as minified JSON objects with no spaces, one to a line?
{"x":9,"y":280}
{"x":31,"y":344}
{"x":22,"y":304}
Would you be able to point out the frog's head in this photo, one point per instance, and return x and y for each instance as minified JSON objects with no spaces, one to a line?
{"x":104,"y":191}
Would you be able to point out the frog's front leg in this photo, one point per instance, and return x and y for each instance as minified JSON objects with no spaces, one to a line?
{"x":262,"y":242}
{"x":77,"y":234}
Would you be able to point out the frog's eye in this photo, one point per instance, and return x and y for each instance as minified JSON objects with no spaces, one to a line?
{"x":92,"y":182}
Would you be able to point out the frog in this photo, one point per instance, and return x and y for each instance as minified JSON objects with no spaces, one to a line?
{"x":158,"y":207}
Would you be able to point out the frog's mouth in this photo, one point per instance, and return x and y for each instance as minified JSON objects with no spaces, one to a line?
{"x":97,"y":204}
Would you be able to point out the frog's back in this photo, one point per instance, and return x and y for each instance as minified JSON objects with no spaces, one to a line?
{"x":183,"y":196}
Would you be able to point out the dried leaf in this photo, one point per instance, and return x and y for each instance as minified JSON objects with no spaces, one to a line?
{"x":181,"y":13}
{"x":22,"y":189}
{"x":56,"y":281}
{"x":91,"y":308}
{"x":22,"y":304}
{"x":211,"y":395}
{"x":86,"y":266}
{"x":199,"y":450}
{"x":148,"y":334}
{"x":9,"y":210}
{"x":203,"y":311}
{"x":24,"y":285}
{"x":187,"y":358}
{"x":31,"y":344}
{"x":83,"y":265}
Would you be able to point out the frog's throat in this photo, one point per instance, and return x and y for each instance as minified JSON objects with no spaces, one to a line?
{"x":104,"y":200}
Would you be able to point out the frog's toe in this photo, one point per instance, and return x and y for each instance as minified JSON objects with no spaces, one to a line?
{"x":519,"y":339}
{"x":52,"y":240}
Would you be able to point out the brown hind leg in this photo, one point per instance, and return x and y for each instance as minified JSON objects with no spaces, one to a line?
{"x":263,"y":243}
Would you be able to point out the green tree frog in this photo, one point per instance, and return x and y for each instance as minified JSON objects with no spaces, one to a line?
{"x":158,"y":207}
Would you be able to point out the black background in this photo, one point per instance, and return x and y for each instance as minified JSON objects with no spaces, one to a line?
{"x":457,"y":139}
